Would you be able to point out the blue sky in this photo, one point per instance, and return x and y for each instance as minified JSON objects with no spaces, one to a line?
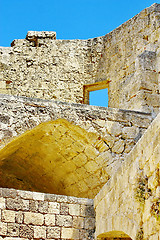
{"x":71,"y":19}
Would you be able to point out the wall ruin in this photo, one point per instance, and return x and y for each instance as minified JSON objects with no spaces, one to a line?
{"x":41,"y":66}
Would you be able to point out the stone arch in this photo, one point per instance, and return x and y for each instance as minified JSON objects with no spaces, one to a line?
{"x":114,"y":235}
{"x":56,"y":157}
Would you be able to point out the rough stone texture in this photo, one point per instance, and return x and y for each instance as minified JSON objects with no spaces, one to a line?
{"x":66,"y":225}
{"x":130,"y":200}
{"x":73,"y":149}
{"x":40,"y":66}
{"x":75,"y":156}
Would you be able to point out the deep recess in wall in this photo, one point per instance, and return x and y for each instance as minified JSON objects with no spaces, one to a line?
{"x":99,"y":98}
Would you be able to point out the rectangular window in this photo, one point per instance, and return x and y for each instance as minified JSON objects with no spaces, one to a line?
{"x":96,"y":94}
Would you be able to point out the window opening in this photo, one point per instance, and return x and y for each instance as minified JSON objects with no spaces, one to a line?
{"x":96,"y":94}
{"x":99,"y":97}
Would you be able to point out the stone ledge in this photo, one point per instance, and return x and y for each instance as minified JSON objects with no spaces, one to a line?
{"x":33,"y":35}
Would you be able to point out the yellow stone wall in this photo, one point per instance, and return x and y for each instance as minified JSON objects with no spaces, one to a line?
{"x":130,"y":200}
{"x":41,"y":66}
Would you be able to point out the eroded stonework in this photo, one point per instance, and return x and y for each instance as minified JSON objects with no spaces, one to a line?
{"x":51,"y":142}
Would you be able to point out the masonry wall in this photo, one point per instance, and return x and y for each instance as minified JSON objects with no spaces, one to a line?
{"x":32,"y":215}
{"x":127,"y":59}
{"x":130,"y":201}
{"x":75,"y":149}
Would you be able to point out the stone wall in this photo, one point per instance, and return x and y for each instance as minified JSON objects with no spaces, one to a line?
{"x":75,"y":149}
{"x":127,"y":59}
{"x":32,"y":215}
{"x":129,"y":203}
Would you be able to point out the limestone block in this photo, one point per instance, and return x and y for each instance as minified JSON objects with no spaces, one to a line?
{"x":118,"y":146}
{"x":2,"y":203}
{"x":54,"y":207}
{"x":87,"y":211}
{"x":64,"y":209}
{"x":70,"y":233}
{"x":38,"y":196}
{"x":3,"y":229}
{"x":19,"y":217}
{"x":78,"y":222}
{"x":13,"y":229}
{"x":89,"y":223}
{"x":26,"y":231}
{"x":91,"y":152}
{"x":74,"y":209}
{"x":32,"y":35}
{"x":109,"y":139}
{"x":33,"y":218}
{"x":40,"y":232}
{"x":53,"y":232}
{"x":43,"y":207}
{"x":113,"y":128}
{"x":49,"y":219}
{"x":130,"y":132}
{"x":17,"y":204}
{"x":64,"y":221}
{"x":8,"y":216}
{"x":91,"y":166}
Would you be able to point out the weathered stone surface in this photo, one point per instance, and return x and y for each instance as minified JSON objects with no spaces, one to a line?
{"x":68,"y":233}
{"x":8,"y":216}
{"x":13,"y":229}
{"x":17,"y":204}
{"x":54,"y":207}
{"x":3,"y":229}
{"x":118,"y":146}
{"x":64,"y":221}
{"x":53,"y":232}
{"x":49,"y":219}
{"x":33,"y":218}
{"x":26,"y":231}
{"x":40,"y":232}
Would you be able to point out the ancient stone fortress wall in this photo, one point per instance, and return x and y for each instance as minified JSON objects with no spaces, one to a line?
{"x":75,"y":149}
{"x":126,"y":61}
{"x":134,"y":191}
{"x":31,"y":215}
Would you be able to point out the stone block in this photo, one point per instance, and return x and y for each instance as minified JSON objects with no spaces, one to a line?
{"x":43,"y":207}
{"x":19,"y":217}
{"x":54,"y":207}
{"x":130,"y":132}
{"x":2,"y":203}
{"x":26,"y":231}
{"x":13,"y":229}
{"x":53,"y":232}
{"x":64,"y":209}
{"x":38,"y":196}
{"x":78,"y":222}
{"x":40,"y":232}
{"x":70,"y":233}
{"x":64,"y":221}
{"x":9,"y":193}
{"x":17,"y":204}
{"x":33,"y":218}
{"x":8,"y":216}
{"x":74,"y":209}
{"x":3,"y":229}
{"x":49,"y":219}
{"x":118,"y":146}
{"x":87,"y":211}
{"x":90,"y":223}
